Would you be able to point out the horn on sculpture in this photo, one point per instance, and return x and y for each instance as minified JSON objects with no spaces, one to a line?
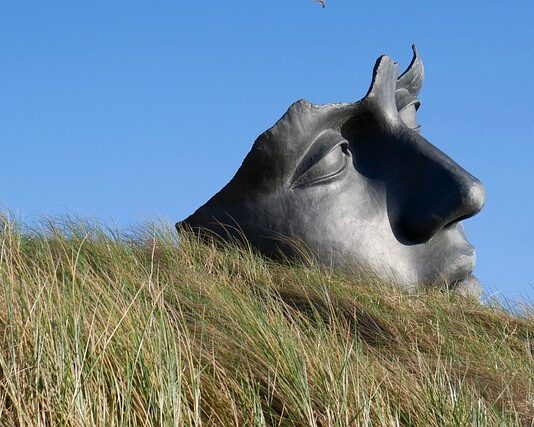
{"x":412,"y":79}
{"x":383,"y":85}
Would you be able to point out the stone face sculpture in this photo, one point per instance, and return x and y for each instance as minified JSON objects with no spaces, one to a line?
{"x":359,"y":186}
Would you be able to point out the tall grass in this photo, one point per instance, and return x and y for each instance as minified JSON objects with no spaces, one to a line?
{"x":103,"y":329}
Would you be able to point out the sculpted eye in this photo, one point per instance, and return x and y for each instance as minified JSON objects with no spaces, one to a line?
{"x":407,"y":106}
{"x":408,"y":116}
{"x":326,"y":168}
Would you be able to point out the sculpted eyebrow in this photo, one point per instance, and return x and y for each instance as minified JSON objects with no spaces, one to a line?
{"x":325,"y":141}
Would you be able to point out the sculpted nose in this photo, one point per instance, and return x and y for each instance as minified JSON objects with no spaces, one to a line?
{"x":425,"y":189}
{"x":474,"y":197}
{"x":442,"y":194}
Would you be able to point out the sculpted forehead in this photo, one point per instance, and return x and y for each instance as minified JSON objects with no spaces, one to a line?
{"x":276,"y":154}
{"x":278,"y":151}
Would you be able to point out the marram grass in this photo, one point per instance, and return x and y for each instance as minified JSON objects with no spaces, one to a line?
{"x":102,"y":329}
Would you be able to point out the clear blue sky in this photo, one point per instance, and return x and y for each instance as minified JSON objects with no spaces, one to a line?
{"x":130,"y":110}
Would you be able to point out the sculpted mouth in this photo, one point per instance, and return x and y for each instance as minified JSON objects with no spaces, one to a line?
{"x":461,"y":267}
{"x":458,"y":277}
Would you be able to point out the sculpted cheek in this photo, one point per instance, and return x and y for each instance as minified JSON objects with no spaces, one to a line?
{"x":358,"y":184}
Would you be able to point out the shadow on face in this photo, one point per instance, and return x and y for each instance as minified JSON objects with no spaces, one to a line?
{"x":425,"y":190}
{"x":358,"y":185}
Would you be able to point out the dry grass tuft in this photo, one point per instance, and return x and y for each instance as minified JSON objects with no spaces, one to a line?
{"x":98,"y":328}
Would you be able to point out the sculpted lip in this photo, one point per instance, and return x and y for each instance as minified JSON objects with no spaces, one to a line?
{"x":461,"y":266}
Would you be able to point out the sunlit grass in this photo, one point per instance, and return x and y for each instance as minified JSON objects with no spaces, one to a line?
{"x":99,"y":328}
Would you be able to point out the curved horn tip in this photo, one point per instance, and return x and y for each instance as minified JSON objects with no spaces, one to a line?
{"x":413,"y":76}
{"x":415,"y":56}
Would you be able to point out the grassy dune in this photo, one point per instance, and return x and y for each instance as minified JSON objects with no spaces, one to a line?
{"x":101,"y":329}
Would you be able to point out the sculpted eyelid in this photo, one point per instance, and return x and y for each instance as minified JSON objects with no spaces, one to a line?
{"x":318,"y":151}
{"x":323,"y":144}
{"x":416,"y":103}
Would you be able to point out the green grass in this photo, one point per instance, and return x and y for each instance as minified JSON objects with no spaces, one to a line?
{"x":102,"y":329}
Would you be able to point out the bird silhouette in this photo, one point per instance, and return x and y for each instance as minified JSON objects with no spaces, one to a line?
{"x":321,"y":2}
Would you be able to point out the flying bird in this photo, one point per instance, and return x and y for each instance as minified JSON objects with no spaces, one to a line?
{"x":321,"y":2}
